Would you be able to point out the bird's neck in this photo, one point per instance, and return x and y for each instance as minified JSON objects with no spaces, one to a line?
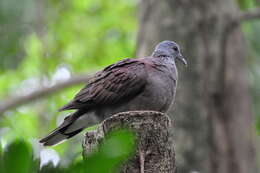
{"x":160,"y":53}
{"x":163,"y":57}
{"x":165,"y":63}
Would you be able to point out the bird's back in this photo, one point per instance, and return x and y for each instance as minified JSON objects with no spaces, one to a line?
{"x":158,"y":93}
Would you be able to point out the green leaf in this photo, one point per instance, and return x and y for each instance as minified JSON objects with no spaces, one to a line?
{"x":1,"y":149}
{"x":1,"y":157}
{"x":50,"y":168}
{"x":17,"y":157}
{"x":116,"y":148}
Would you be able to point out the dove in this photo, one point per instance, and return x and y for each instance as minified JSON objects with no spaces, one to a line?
{"x":139,"y":84}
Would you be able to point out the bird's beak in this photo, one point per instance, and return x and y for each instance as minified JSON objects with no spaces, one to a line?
{"x":182,"y":59}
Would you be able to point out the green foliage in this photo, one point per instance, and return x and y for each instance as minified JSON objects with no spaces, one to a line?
{"x":116,"y":148}
{"x":246,"y":4}
{"x":14,"y":21}
{"x":54,"y":40}
{"x":1,"y":157}
{"x":17,"y":158}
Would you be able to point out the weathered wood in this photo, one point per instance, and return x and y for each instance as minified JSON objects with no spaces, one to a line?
{"x":154,"y":153}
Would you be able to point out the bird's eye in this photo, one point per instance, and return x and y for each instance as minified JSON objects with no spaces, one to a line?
{"x":175,"y":48}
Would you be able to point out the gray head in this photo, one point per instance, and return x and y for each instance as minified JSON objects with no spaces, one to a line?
{"x":169,"y":48}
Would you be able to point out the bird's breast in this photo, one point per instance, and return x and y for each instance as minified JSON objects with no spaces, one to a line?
{"x":160,"y":90}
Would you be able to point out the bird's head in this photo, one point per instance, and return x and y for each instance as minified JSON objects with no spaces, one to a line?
{"x":169,"y":48}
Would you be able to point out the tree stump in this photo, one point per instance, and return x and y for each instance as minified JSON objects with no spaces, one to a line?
{"x":154,"y":153}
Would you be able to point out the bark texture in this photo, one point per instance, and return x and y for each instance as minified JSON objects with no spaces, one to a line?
{"x":155,"y":152}
{"x":212,"y":111}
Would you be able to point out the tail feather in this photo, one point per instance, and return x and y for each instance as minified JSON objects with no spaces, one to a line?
{"x":67,"y":129}
{"x":57,"y":137}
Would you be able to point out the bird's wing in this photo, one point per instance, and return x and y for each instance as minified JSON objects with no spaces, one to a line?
{"x":116,"y":83}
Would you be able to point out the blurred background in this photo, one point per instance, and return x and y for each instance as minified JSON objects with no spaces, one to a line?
{"x":217,"y":113}
{"x":45,"y":42}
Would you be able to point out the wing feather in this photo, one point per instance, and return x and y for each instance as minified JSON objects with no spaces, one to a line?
{"x":115,"y":83}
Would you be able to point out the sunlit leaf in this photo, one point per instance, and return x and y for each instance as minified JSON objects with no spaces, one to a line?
{"x":117,"y":147}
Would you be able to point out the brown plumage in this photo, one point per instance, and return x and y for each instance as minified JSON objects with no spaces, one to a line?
{"x":115,"y":83}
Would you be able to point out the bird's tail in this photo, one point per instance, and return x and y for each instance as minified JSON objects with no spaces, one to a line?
{"x":72,"y":125}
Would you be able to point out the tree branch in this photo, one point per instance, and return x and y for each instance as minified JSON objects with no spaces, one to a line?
{"x":231,"y":25}
{"x":248,"y":15}
{"x":21,"y":100}
{"x":235,"y":22}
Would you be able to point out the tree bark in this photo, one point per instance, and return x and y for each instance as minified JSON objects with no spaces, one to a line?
{"x":212,"y":111}
{"x":155,"y":152}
